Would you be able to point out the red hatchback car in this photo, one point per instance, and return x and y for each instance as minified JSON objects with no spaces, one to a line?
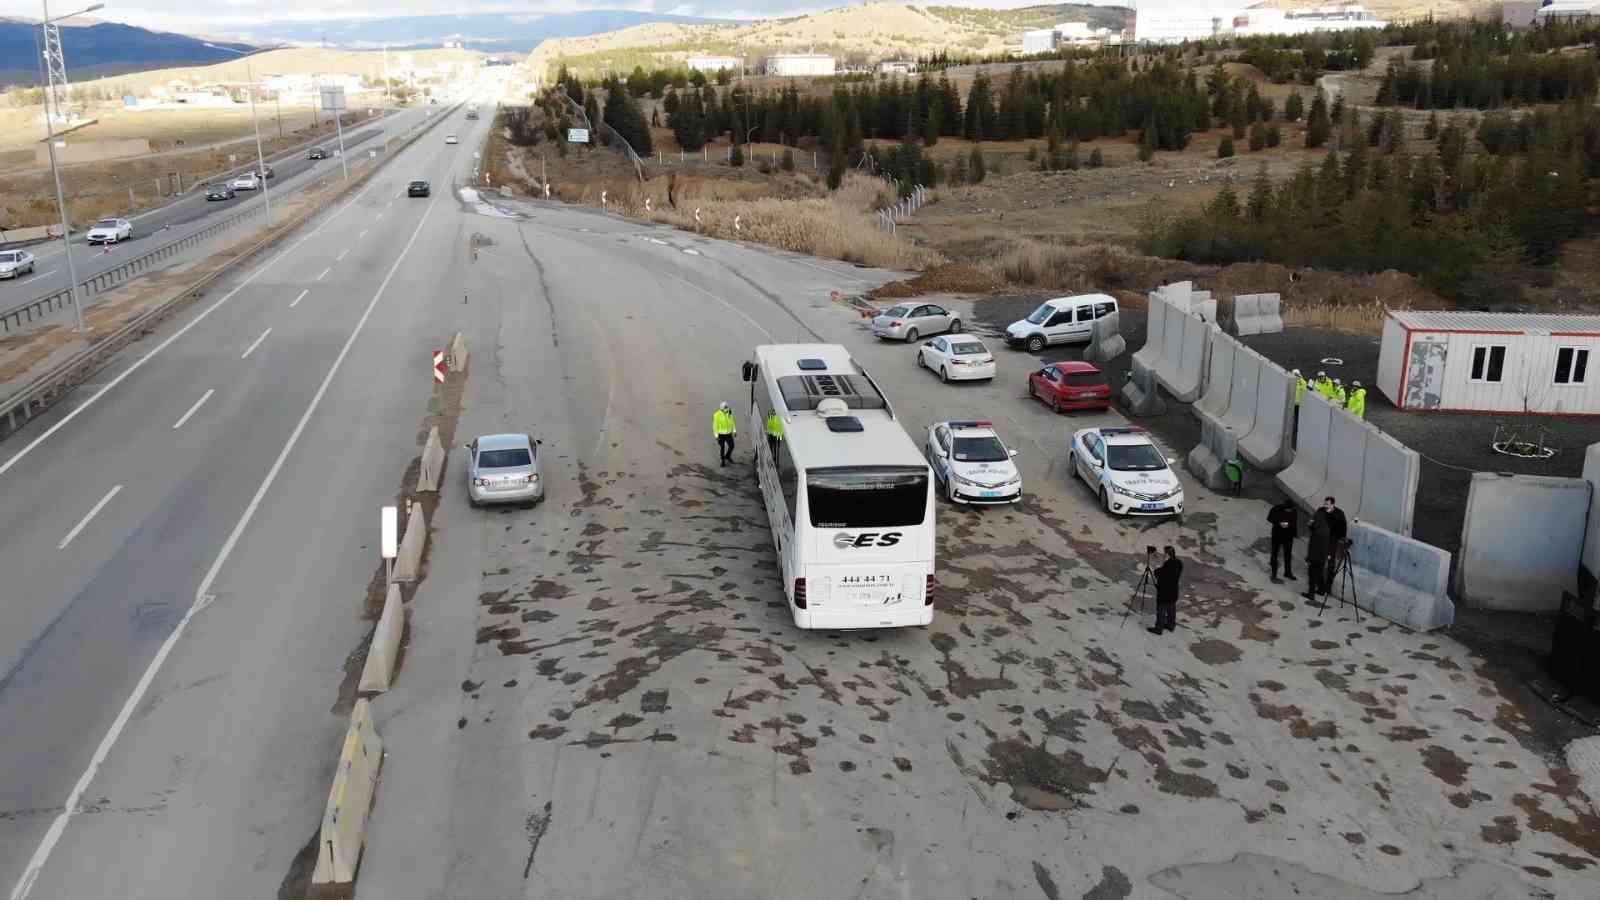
{"x":1070,"y":385}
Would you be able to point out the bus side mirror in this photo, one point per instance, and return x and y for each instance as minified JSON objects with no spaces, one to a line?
{"x":747,"y":372}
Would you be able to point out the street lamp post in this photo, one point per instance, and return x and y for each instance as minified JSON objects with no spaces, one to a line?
{"x":261,"y":159}
{"x":55,"y":170}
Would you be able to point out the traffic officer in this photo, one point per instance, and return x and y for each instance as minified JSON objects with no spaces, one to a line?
{"x":1299,"y":386}
{"x":774,"y":435}
{"x":1337,"y":394}
{"x":723,"y":427}
{"x":1358,"y":400}
{"x":1323,"y":385}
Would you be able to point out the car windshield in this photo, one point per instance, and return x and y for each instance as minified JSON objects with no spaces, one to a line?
{"x":1038,"y":316}
{"x":1134,"y":458}
{"x":968,"y":348}
{"x":419,"y":184}
{"x":867,"y":496}
{"x":897,"y":310}
{"x":980,"y":449}
{"x":8,"y":257}
{"x":503,"y":459}
{"x":106,"y":223}
{"x":1085,"y":379}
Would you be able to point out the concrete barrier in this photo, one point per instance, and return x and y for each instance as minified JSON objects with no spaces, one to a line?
{"x":1166,"y":368}
{"x":1269,"y":319}
{"x":1241,"y":414}
{"x":1139,"y":392}
{"x":1522,"y":541}
{"x":1182,"y":375}
{"x":1154,"y":336}
{"x":1267,"y":446}
{"x":377,"y":674}
{"x":1389,"y":476}
{"x":1401,"y":579}
{"x":432,"y":468}
{"x":1246,"y":314}
{"x":1219,"y":375}
{"x":1202,"y":304}
{"x":355,"y":782}
{"x":458,"y":353}
{"x":1208,"y":460}
{"x":9,"y":236}
{"x":1105,"y":339}
{"x":1591,"y":543}
{"x":1347,"y":454}
{"x":1177,"y":294}
{"x":1304,"y":478}
{"x":408,"y":562}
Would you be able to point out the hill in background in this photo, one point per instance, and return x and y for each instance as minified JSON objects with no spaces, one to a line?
{"x":98,"y":49}
{"x":488,"y":32}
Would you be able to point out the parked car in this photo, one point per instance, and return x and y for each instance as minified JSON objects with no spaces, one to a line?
{"x":472,"y":114}
{"x":16,"y":263}
{"x":1129,"y":473}
{"x":503,"y":468}
{"x":266,"y":172}
{"x":110,"y":231}
{"x":451,"y":139}
{"x":316,"y":153}
{"x":1060,"y":321}
{"x":908,"y":321}
{"x":956,"y":357}
{"x":970,"y":463}
{"x":249,"y":181}
{"x":220,"y":191}
{"x":1070,"y":385}
{"x":418,"y":188}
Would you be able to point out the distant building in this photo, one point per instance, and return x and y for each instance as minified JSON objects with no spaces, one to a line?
{"x":1567,"y":11}
{"x":1491,"y":362}
{"x":1067,"y":34}
{"x":796,"y":64}
{"x":896,"y":67}
{"x":713,"y":63}
{"x":1171,"y":25}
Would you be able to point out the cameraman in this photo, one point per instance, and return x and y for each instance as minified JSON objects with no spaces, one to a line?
{"x":1167,"y":575}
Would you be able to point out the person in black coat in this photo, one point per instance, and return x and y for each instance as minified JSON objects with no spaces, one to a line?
{"x":1318,"y":540}
{"x":1338,"y":530}
{"x":1285,"y":521}
{"x":1167,"y":576}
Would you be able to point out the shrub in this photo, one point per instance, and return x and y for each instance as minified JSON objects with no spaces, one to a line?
{"x":1274,"y":136}
{"x":736,"y":159}
{"x":1225,"y":149}
{"x":1096,"y":160}
{"x":788,"y":160}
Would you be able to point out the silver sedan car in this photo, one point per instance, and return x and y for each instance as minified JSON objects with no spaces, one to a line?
{"x":504,"y":468}
{"x":908,"y":321}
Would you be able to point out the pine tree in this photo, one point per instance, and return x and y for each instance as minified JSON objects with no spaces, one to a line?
{"x":1096,"y":159}
{"x":1386,"y":90}
{"x":788,"y":160}
{"x":1147,"y":140}
{"x":1317,"y":125}
{"x":1258,"y":136}
{"x":975,"y":167}
{"x":1294,"y":107}
{"x":1260,"y":196}
{"x":1225,"y":149}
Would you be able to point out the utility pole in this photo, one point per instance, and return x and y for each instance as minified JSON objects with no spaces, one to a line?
{"x":55,"y":65}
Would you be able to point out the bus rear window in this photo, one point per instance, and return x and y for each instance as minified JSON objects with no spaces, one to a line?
{"x":867,"y":497}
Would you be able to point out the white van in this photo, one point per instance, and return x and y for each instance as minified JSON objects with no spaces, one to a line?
{"x":1063,"y":320}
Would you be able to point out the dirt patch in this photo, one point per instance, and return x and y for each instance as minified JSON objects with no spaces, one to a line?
{"x":1184,"y":784}
{"x":1039,"y":779}
{"x":1113,"y":885}
{"x":949,"y":278}
{"x":1445,"y":765}
{"x":1406,"y":733}
{"x":1215,"y":652}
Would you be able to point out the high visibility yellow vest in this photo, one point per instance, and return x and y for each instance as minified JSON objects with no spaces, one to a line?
{"x":1358,"y":403}
{"x":722,"y":423}
{"x":1299,"y":388}
{"x":774,"y":425}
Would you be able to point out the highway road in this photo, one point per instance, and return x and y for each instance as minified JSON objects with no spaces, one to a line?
{"x":604,"y":696}
{"x":193,"y":212}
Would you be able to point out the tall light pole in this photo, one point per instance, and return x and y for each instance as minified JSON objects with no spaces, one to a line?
{"x":261,"y":159}
{"x":53,"y":62}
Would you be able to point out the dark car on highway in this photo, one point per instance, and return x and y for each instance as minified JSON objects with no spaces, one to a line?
{"x":316,"y":153}
{"x":266,"y":172}
{"x":219,"y":192}
{"x":419,"y":188}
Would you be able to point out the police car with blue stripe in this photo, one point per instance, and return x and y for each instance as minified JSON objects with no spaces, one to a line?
{"x":971,"y":464}
{"x":1128,"y":472}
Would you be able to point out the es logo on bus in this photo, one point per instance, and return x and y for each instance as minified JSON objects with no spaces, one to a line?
{"x":844,"y":540}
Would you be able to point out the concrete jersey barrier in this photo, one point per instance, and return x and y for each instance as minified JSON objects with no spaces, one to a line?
{"x":1181,"y":374}
{"x":1166,"y":368}
{"x":408,"y":562}
{"x":1105,"y":340}
{"x":1219,"y":375}
{"x":355,"y":782}
{"x":1139,"y":393}
{"x":1347,"y":454}
{"x":1399,"y":578}
{"x":458,"y":353}
{"x":1154,"y":336}
{"x":1521,"y":541}
{"x":1246,"y":314}
{"x":1177,"y":294}
{"x":1267,"y":446}
{"x":432,"y":465}
{"x":1208,"y":460}
{"x":1389,"y":477}
{"x":1269,"y":317}
{"x":378,"y":673}
{"x":1241,"y":414}
{"x":1304,"y":478}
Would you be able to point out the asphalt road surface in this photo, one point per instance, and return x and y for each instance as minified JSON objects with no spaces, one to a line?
{"x":604,"y":696}
{"x":189,"y":214}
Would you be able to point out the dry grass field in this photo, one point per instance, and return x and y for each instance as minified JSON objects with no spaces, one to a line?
{"x":293,"y":61}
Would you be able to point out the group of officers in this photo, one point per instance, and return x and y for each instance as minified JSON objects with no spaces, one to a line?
{"x":1353,"y":399}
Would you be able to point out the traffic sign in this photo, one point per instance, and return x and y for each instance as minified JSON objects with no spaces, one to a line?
{"x":439,"y":366}
{"x":577,"y":135}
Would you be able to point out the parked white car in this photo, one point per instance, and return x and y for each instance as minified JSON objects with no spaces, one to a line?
{"x":15,"y":263}
{"x":971,"y":464}
{"x":956,"y":357}
{"x":109,"y":231}
{"x":249,"y":181}
{"x":450,"y":139}
{"x":1129,"y":473}
{"x":1060,"y":321}
{"x":906,"y":321}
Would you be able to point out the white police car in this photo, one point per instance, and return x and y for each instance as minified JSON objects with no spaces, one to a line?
{"x":1129,"y":473}
{"x":971,"y":464}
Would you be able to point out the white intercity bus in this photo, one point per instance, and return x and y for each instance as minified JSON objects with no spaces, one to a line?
{"x":849,"y":497}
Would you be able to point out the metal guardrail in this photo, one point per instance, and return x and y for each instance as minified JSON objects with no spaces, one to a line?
{"x":17,"y":409}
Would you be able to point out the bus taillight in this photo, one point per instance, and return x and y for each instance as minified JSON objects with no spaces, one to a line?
{"x":927,"y":596}
{"x":799,"y":593}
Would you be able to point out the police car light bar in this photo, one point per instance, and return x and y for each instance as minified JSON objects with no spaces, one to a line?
{"x":1123,"y":429}
{"x":972,"y":423}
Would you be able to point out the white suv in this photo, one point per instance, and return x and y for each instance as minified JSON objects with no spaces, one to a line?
{"x":971,"y":464}
{"x":1127,"y":470}
{"x":1060,"y":321}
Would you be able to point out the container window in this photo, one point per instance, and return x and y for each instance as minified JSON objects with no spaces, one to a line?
{"x":1572,"y":365}
{"x":1488,"y":364}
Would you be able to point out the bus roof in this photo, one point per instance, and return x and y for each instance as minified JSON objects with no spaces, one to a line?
{"x":812,"y":443}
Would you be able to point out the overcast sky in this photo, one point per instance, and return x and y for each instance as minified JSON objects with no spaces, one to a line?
{"x":234,"y":15}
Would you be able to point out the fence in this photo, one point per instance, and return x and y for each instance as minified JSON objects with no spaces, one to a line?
{"x":890,"y":216}
{"x":611,"y":133}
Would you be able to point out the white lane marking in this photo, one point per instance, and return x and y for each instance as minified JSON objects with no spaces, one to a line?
{"x":48,"y":274}
{"x":296,"y":301}
{"x":58,"y":827}
{"x":252,"y":348}
{"x":194,"y":409}
{"x":691,"y":251}
{"x":742,"y":313}
{"x":91,"y":514}
{"x":325,"y":273}
{"x":362,"y":234}
{"x":33,"y":444}
{"x":340,"y":257}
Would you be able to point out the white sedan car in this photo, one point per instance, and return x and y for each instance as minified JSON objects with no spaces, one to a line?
{"x":971,"y":464}
{"x":249,"y":181}
{"x":956,"y":357}
{"x":15,"y":263}
{"x":1127,"y":470}
{"x":450,"y":139}
{"x":109,"y":231}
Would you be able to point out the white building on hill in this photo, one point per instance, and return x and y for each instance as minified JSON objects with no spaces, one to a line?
{"x":1067,"y":34}
{"x":796,"y":64}
{"x":1170,"y":25}
{"x":712,"y":63}
{"x":1566,"y":10}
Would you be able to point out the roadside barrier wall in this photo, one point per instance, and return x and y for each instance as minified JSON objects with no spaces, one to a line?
{"x":1267,"y":446}
{"x":1208,"y":460}
{"x":1389,"y":477}
{"x":1269,"y":319}
{"x":1139,"y":392}
{"x":1246,"y":314}
{"x":378,"y":673}
{"x":1241,"y":414}
{"x":1219,"y":376}
{"x":1182,"y":374}
{"x":1347,"y":454}
{"x":1399,"y":578}
{"x":408,"y":562}
{"x":1202,"y":304}
{"x":1178,"y":294}
{"x":1522,"y":541}
{"x":1304,"y":478}
{"x":458,"y":353}
{"x":1154,"y":336}
{"x":1106,"y":341}
{"x":432,"y":468}
{"x":1591,"y":543}
{"x":1171,"y":345}
{"x":355,"y":781}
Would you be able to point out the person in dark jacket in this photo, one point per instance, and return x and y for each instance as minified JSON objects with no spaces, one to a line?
{"x":1338,"y":530}
{"x":1167,"y":575}
{"x":1285,"y":521}
{"x":1317,"y":542}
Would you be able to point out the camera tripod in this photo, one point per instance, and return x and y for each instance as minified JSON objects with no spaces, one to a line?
{"x":1144,"y":590}
{"x":1345,"y":579}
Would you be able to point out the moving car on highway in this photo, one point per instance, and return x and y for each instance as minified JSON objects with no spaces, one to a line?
{"x":908,"y":321}
{"x":316,"y":153}
{"x":503,"y":468}
{"x":110,"y":231}
{"x":1129,"y":473}
{"x":219,"y":191}
{"x":956,"y":357}
{"x":249,"y":181}
{"x":15,"y":263}
{"x":971,"y":464}
{"x":450,"y":139}
{"x":1070,"y":385}
{"x":1060,"y":321}
{"x":266,"y":172}
{"x":418,"y":188}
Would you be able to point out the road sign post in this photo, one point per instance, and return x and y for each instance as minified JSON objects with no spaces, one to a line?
{"x":333,"y":101}
{"x":440,"y":366}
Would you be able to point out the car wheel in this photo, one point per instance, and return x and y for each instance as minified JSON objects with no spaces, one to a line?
{"x":955,"y":326}
{"x":920,"y":363}
{"x":943,"y":375}
{"x":1055,"y":404}
{"x":1072,"y":463}
{"x":1105,"y":502}
{"x":1036,"y":343}
{"x":1033,"y":393}
{"x":911,"y":336}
